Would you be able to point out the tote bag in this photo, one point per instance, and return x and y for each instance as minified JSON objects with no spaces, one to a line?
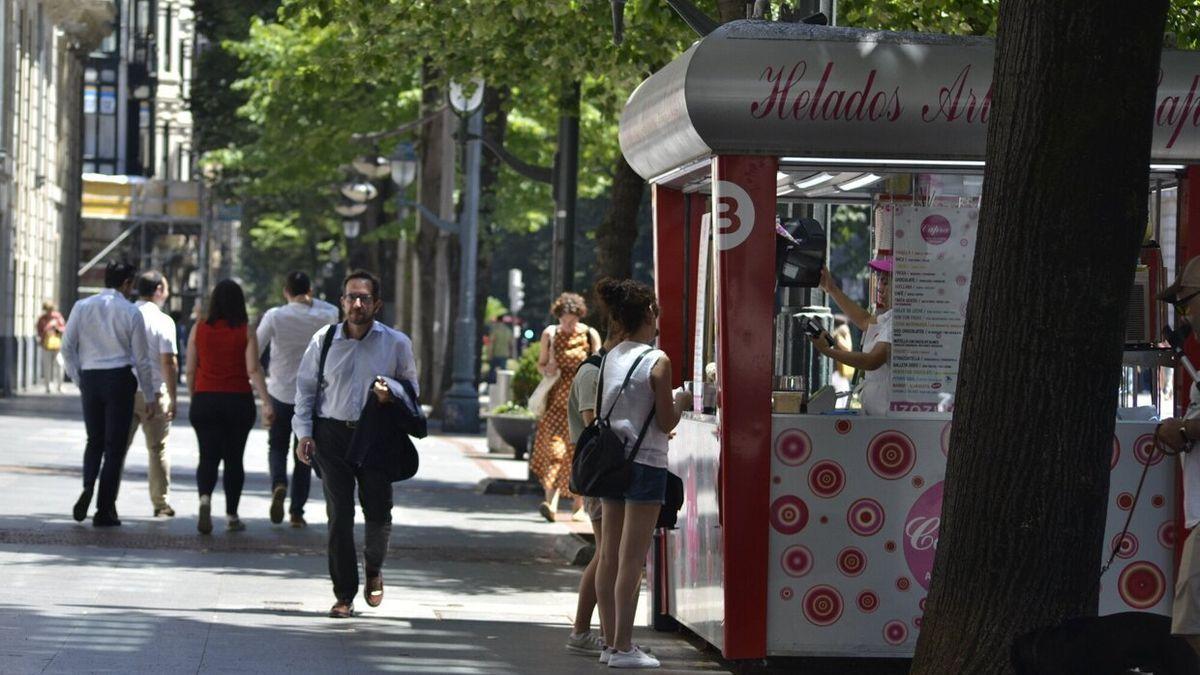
{"x":540,"y":397}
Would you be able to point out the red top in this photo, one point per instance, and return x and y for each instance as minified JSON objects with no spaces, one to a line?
{"x":221,"y":358}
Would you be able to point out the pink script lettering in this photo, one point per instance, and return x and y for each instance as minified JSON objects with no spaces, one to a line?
{"x":958,"y":101}
{"x":823,"y":102}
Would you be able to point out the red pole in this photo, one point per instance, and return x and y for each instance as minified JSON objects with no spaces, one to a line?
{"x":743,"y":213}
{"x":670,"y":275}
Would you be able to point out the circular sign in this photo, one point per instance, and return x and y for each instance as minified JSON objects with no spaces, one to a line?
{"x":460,"y":101}
{"x":733,"y":211}
{"x":935,"y":229}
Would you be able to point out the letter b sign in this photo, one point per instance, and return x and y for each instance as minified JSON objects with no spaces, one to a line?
{"x":733,"y":212}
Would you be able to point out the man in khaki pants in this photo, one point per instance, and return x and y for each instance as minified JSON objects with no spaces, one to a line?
{"x":161,"y":343}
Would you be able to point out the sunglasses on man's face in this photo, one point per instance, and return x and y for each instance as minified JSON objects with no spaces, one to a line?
{"x":364,"y":298}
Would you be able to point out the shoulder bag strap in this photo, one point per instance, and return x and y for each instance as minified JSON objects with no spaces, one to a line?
{"x":325,"y":345}
{"x":624,"y":384}
{"x":637,"y":445}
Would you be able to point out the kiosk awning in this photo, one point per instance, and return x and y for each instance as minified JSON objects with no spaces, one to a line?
{"x":783,"y":89}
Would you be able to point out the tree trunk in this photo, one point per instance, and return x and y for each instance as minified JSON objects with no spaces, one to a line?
{"x":617,"y":233}
{"x":1063,"y":213}
{"x":495,"y":126}
{"x":731,"y":10}
{"x":432,"y":189}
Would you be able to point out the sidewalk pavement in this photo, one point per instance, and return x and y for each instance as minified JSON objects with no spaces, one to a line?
{"x":473,"y":581}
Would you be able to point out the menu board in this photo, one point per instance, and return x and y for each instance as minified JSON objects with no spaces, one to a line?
{"x":933,"y":248}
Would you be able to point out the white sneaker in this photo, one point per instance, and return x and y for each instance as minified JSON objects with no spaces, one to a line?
{"x":634,"y":658}
{"x":586,"y":642}
{"x":606,"y":654}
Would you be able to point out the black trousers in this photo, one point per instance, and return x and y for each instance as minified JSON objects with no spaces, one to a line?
{"x":107,"y":413}
{"x":338,"y":478}
{"x":222,"y":422}
{"x":280,"y":441}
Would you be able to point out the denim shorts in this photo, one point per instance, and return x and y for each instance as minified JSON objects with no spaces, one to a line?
{"x":647,"y":484}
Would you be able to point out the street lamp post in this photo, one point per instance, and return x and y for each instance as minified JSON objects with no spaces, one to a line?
{"x":462,"y":401}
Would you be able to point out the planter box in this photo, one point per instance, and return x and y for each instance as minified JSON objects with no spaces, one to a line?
{"x":510,"y":433}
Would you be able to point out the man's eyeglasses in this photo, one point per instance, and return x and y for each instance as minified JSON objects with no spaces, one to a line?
{"x":364,"y":298}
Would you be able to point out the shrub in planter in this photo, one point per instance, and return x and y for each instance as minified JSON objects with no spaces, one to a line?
{"x":526,"y":377}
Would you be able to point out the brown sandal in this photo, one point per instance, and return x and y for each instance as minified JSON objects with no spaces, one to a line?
{"x":342,"y":610}
{"x":373,"y":591}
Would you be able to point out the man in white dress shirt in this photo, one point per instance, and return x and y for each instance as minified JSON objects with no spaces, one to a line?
{"x":286,"y":331}
{"x":362,"y":352}
{"x":153,"y":291}
{"x":105,"y":338}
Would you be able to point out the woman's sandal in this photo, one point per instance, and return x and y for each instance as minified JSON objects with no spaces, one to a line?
{"x":373,"y":591}
{"x":546,"y":511}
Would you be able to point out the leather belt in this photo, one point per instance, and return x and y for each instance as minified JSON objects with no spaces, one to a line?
{"x":349,"y":424}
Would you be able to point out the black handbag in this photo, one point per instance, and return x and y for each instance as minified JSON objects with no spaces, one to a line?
{"x":600,"y":468}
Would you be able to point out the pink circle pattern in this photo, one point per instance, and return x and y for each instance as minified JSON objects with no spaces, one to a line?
{"x":946,"y":440}
{"x":1141,"y":585}
{"x":891,"y":455}
{"x":822,"y":605}
{"x":1116,"y":453}
{"x":843,"y":427}
{"x":1126,"y":546}
{"x":1144,"y":450}
{"x":789,"y":514}
{"x":1125,"y":501}
{"x":902,"y":584}
{"x":1166,"y":534}
{"x":895,"y":632}
{"x":865,"y":517}
{"x":867,"y":602}
{"x":851,"y":561}
{"x":793,"y":447}
{"x":797,"y":561}
{"x":826,"y":479}
{"x":786,"y":593}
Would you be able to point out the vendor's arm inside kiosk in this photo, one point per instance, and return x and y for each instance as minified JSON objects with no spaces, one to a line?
{"x":808,"y":527}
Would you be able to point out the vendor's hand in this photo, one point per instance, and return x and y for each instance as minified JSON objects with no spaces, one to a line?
{"x":306,"y":449}
{"x":827,"y":282}
{"x":1170,"y":434}
{"x":381,"y":390}
{"x":820,"y":343}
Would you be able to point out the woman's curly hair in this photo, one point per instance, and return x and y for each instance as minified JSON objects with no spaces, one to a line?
{"x":569,"y":303}
{"x":626,"y":302}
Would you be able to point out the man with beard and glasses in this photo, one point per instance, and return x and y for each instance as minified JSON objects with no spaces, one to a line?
{"x":364,"y":358}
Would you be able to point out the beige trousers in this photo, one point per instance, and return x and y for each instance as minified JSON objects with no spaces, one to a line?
{"x":155,"y":430}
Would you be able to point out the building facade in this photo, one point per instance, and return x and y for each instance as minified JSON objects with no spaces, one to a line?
{"x":43,"y":46}
{"x":140,"y":201}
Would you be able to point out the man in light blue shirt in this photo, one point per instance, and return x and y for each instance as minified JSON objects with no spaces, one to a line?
{"x":286,"y":332}
{"x":105,"y":338}
{"x":365,"y":358}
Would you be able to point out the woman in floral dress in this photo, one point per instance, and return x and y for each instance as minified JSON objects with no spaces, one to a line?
{"x":570,"y":341}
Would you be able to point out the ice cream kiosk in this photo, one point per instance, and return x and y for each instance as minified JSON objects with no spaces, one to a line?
{"x":813,"y":533}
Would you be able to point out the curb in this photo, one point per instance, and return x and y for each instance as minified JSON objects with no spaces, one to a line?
{"x":508,"y":486}
{"x":575,"y":549}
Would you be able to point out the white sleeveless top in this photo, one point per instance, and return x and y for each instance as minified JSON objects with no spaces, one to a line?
{"x":636,"y":403}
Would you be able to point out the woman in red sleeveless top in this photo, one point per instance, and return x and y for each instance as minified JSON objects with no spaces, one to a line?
{"x":222,"y":362}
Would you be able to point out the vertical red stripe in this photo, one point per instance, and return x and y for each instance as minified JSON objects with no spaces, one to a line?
{"x":1187,"y":247}
{"x":745,"y":283}
{"x":670,"y":275}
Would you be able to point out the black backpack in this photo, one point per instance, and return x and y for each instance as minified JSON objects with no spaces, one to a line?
{"x":600,"y":468}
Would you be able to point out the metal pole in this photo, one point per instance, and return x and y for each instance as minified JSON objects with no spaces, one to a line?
{"x":462,"y":401}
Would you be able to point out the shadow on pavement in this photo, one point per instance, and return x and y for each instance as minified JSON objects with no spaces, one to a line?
{"x":126,"y":639}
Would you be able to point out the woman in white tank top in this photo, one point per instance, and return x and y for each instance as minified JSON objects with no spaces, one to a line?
{"x":647,"y":403}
